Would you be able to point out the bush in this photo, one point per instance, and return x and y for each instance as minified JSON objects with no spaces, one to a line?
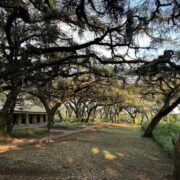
{"x":176,"y":117}
{"x":144,"y":125}
{"x":164,"y":134}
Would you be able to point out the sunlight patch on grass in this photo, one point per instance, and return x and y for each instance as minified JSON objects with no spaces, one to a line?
{"x":152,"y":158}
{"x":40,"y":146}
{"x":108,"y":155}
{"x":125,"y":125}
{"x":120,"y":154}
{"x":69,"y":159}
{"x":142,"y":177}
{"x":95,"y":150}
{"x":65,"y":142}
{"x":4,"y":149}
{"x":8,"y":139}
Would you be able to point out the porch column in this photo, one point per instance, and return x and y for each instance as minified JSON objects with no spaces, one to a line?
{"x":41,"y":119}
{"x":34,"y":119}
{"x":19,"y":119}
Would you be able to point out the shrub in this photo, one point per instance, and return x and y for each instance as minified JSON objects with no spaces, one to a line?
{"x":164,"y":134}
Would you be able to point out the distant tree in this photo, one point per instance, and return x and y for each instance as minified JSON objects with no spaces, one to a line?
{"x":95,"y":94}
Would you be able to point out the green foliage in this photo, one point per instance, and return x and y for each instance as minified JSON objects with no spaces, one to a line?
{"x":2,"y":98}
{"x":144,"y":125}
{"x":176,"y":117}
{"x":52,"y":3}
{"x":164,"y":134}
{"x":71,"y":119}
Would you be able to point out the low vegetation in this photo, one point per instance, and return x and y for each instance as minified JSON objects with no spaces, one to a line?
{"x":71,"y":125}
{"x":165,"y":134}
{"x":117,"y":152}
{"x":29,"y":132}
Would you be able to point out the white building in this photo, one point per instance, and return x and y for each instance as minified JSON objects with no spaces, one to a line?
{"x":33,"y":115}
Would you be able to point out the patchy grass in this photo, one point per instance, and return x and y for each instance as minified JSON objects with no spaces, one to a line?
{"x":29,"y":132}
{"x":164,"y":134}
{"x":111,"y":153}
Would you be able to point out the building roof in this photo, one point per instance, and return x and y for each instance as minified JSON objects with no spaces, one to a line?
{"x":29,"y":109}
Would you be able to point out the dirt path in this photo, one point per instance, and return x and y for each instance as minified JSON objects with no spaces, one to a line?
{"x":115,"y":153}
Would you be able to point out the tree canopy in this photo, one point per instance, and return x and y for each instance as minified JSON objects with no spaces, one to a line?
{"x":43,"y":40}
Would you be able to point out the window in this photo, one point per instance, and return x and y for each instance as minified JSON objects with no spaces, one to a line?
{"x":30,"y":119}
{"x":15,"y":119}
{"x":44,"y":118}
{"x":23,"y":118}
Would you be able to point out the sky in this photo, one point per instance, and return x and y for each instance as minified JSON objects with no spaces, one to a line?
{"x":143,"y":41}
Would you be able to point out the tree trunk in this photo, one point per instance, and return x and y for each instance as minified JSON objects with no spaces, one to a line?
{"x":9,"y":125}
{"x":50,"y":111}
{"x":78,"y":115}
{"x":2,"y":122}
{"x":7,"y":111}
{"x":162,"y":112}
{"x":60,"y":116}
{"x":143,"y":118}
{"x":177,"y":159}
{"x":89,"y":113}
{"x":50,"y":120}
{"x":132,"y":116}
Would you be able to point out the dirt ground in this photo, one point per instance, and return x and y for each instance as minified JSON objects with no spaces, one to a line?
{"x":117,"y":152}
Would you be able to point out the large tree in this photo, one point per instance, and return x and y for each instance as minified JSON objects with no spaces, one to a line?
{"x":38,"y":34}
{"x":161,"y":84}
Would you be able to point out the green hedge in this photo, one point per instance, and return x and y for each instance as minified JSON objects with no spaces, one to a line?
{"x":164,"y":134}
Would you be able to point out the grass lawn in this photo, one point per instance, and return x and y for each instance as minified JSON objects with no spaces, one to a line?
{"x":35,"y":132}
{"x":111,"y":153}
{"x":28,"y":132}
